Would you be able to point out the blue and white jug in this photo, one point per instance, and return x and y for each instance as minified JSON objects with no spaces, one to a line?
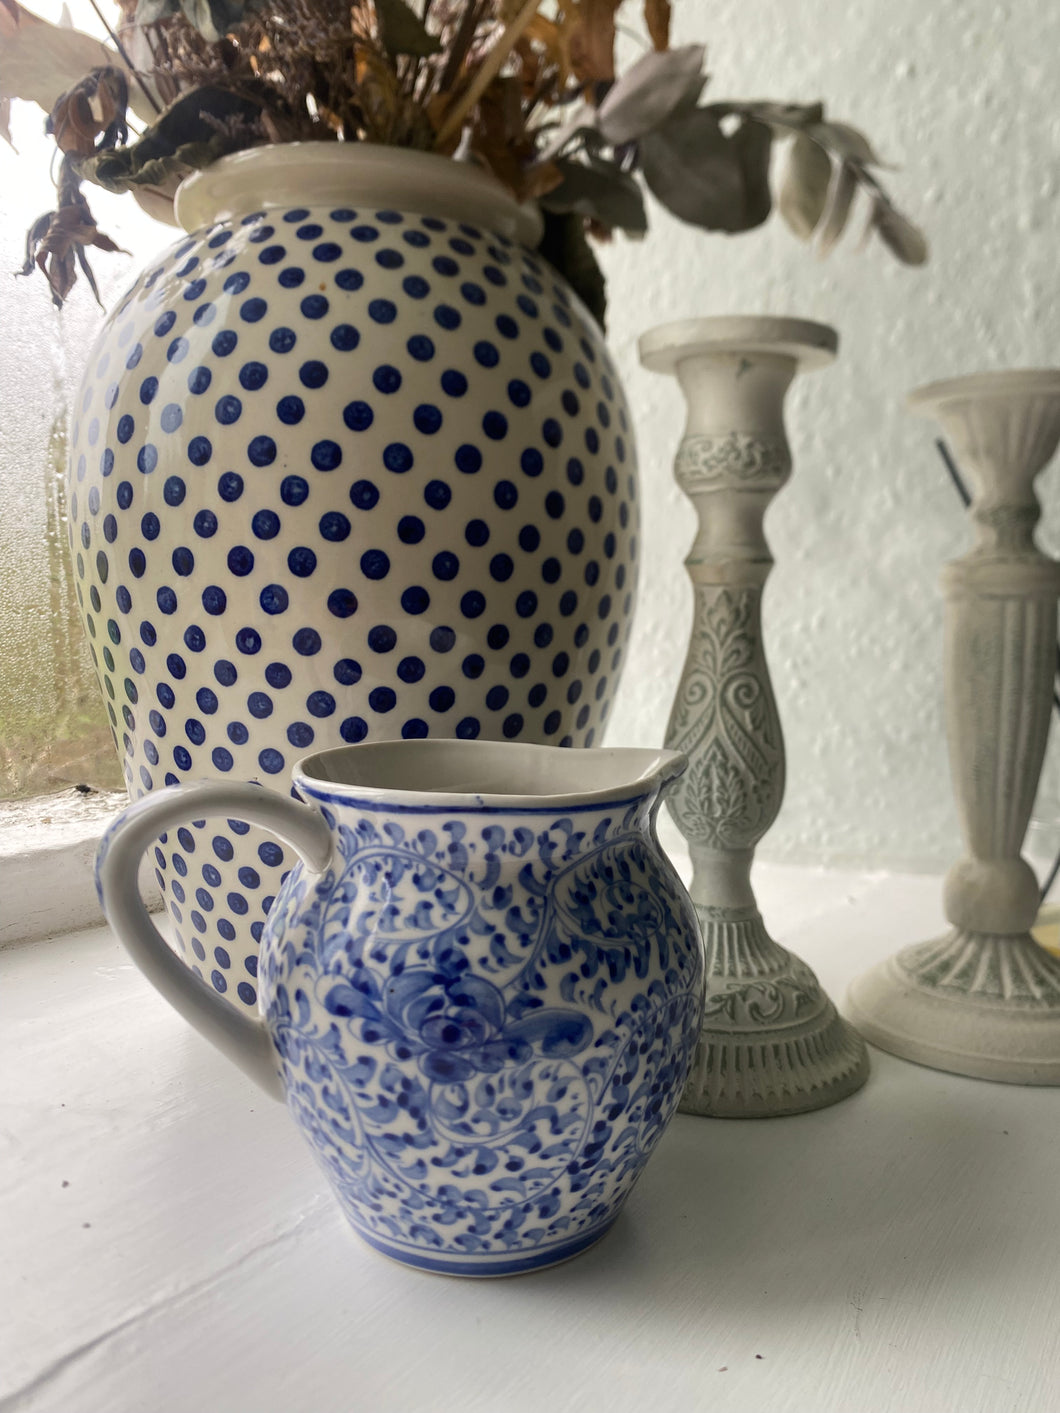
{"x":480,"y":989}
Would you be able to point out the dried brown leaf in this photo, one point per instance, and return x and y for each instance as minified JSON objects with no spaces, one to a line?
{"x":592,"y":47}
{"x":39,"y":61}
{"x":657,"y":22}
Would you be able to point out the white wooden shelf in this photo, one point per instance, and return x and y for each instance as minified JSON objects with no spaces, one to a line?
{"x":169,"y":1247}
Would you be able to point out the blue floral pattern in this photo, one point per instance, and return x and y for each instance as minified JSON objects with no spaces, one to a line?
{"x":484,"y":1024}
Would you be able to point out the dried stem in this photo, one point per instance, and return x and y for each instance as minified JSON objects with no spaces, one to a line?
{"x":124,"y":54}
{"x":487,"y":72}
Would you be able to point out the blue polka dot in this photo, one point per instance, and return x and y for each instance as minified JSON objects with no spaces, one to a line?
{"x":495,"y":426}
{"x":365,"y":234}
{"x":473,"y":666}
{"x":200,"y":450}
{"x":349,"y":279}
{"x":278,"y":674}
{"x":383,"y":311}
{"x":271,"y":761}
{"x":294,"y":490}
{"x":326,"y":252}
{"x":174,"y":490}
{"x":214,"y":600}
{"x":315,"y":306}
{"x":171,"y":417}
{"x":240,"y":560}
{"x":473,"y":604}
{"x":353,"y":729}
{"x":364,"y":495}
{"x":302,"y":561}
{"x":326,"y":455}
{"x":248,"y":641}
{"x":265,"y":524}
{"x":397,"y":457}
{"x":420,"y":347}
{"x":375,"y":564}
{"x":292,"y":277}
{"x":228,"y":409}
{"x":468,"y":728}
{"x":259,"y":704}
{"x":262,"y":451}
{"x":410,"y":669}
{"x":251,"y":310}
{"x":506,"y":326}
{"x":410,"y":530}
{"x":386,"y":378}
{"x":347,"y":671}
{"x":437,"y":494}
{"x":313,"y":373}
{"x":454,"y":384}
{"x":445,"y":565}
{"x":290,"y":410}
{"x":300,"y":734}
{"x":446,"y":317}
{"x":273,"y":598}
{"x":382,"y":638}
{"x":441,"y":699}
{"x":282,"y":340}
{"x":382,"y":699}
{"x":125,"y":428}
{"x":147,"y":459}
{"x":358,"y":416}
{"x":415,"y":286}
{"x":345,"y":338}
{"x":253,"y":376}
{"x":342,"y":603}
{"x":505,"y":494}
{"x":427,"y":419}
{"x":477,"y":532}
{"x":415,"y":599}
{"x":320,"y":704}
{"x":333,"y":526}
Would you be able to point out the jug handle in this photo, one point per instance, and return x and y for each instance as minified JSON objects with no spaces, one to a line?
{"x":240,"y":1036}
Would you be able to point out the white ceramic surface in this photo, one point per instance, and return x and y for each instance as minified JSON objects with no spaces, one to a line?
{"x":772,"y":1043}
{"x":348,"y":463}
{"x":480,"y":990}
{"x":984,"y":999}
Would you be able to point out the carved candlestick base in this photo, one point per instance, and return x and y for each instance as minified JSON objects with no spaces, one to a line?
{"x":771,"y":1042}
{"x":984,"y":1000}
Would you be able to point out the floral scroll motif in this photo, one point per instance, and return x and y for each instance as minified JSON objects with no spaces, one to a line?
{"x":735,"y":459}
{"x":484,"y":1035}
{"x":725,"y":720}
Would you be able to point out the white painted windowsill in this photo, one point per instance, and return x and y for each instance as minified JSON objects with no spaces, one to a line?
{"x":47,"y":850}
{"x":167,"y":1244}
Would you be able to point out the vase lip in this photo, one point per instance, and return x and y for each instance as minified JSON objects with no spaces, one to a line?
{"x":808,"y":344}
{"x":1005,"y":383}
{"x":367,"y":174}
{"x":511,"y":776}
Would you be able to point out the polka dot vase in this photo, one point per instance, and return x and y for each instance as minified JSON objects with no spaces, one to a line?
{"x":349,"y":463}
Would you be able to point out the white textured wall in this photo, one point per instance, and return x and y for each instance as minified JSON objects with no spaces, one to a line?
{"x":962,"y":96}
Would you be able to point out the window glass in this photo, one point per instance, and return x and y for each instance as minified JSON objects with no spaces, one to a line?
{"x":53,"y":727}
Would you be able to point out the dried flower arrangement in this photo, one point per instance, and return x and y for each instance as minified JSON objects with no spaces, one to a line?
{"x":526,"y":88}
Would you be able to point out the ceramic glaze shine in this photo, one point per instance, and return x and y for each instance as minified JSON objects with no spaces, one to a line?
{"x":482,"y":1005}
